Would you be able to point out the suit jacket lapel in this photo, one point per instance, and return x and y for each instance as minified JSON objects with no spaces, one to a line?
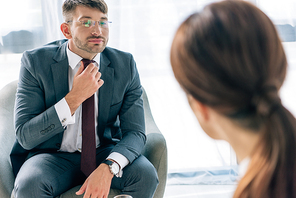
{"x":105,"y":96}
{"x":60,"y":72}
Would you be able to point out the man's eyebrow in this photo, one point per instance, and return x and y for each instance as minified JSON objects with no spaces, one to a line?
{"x":88,"y":17}
{"x":84,"y":17}
{"x":104,"y":18}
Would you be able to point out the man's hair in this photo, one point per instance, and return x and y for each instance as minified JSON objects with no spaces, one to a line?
{"x":69,"y":7}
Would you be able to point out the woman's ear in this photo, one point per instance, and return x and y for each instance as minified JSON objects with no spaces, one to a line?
{"x":200,"y":110}
{"x":65,"y":28}
{"x":205,"y":116}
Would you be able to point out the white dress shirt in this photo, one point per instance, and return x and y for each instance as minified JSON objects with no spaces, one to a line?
{"x":72,"y":138}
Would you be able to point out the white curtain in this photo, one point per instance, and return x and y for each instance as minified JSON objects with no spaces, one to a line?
{"x":52,"y":18}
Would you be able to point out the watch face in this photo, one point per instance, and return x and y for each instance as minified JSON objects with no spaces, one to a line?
{"x":114,"y":168}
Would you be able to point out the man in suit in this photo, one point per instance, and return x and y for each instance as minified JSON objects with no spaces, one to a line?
{"x":52,"y":87}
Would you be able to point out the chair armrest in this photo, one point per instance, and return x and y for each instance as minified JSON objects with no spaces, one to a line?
{"x":7,"y":138}
{"x":155,"y":149}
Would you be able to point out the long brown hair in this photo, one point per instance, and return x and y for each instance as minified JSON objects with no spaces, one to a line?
{"x":230,"y":57}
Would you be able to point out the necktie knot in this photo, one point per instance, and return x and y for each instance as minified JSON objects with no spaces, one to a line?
{"x":86,"y":62}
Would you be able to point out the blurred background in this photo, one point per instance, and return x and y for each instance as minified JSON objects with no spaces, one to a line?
{"x":198,"y":166}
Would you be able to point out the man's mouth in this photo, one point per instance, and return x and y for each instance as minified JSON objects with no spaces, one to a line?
{"x":96,"y":40}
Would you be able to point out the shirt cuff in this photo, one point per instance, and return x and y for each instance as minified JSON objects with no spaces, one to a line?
{"x":64,"y":113}
{"x":119,"y":159}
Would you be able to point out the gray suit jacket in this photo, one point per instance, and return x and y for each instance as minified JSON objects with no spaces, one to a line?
{"x":43,"y":82}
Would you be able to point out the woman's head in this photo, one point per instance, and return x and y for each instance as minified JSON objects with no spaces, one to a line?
{"x":229,"y":57}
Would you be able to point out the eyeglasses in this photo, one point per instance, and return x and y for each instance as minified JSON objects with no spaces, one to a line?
{"x":91,"y":23}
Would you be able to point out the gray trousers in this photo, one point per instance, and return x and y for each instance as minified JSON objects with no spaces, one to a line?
{"x":48,"y":175}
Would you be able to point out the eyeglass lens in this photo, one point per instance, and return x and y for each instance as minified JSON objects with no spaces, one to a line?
{"x":91,"y":23}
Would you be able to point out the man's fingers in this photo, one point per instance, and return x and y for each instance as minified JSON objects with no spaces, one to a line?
{"x":80,"y":70}
{"x":91,"y":68}
{"x":98,"y":75}
{"x":94,"y":70}
{"x":82,"y":189}
{"x":100,"y":82}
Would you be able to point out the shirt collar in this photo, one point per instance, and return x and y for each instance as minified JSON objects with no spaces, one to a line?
{"x":75,"y":59}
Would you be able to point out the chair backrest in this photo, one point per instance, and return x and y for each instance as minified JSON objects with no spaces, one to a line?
{"x":7,"y":137}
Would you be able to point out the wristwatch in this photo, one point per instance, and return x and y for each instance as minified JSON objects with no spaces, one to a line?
{"x":114,"y":167}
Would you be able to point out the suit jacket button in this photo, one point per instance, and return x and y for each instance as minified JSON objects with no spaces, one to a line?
{"x":42,"y":132}
{"x":58,"y":145}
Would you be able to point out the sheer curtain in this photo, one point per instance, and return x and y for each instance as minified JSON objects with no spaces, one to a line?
{"x":146,"y":29}
{"x":52,"y":18}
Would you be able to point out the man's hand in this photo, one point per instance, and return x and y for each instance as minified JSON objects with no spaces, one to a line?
{"x":98,"y":183}
{"x":85,"y":84}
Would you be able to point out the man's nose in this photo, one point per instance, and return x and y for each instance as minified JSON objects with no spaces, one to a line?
{"x":97,"y":29}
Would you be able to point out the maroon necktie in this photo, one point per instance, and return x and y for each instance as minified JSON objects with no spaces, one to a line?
{"x":88,"y":153}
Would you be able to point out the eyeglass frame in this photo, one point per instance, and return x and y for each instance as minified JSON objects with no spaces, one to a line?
{"x":93,"y":23}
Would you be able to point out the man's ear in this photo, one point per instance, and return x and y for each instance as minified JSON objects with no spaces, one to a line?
{"x":65,"y":28}
{"x":200,"y":110}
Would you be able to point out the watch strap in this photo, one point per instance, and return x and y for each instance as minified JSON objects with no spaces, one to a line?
{"x":110,"y":163}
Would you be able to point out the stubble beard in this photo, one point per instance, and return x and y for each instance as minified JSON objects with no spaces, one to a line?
{"x":85,"y":47}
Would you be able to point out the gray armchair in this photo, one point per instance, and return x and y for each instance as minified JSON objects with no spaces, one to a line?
{"x":155,"y":149}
